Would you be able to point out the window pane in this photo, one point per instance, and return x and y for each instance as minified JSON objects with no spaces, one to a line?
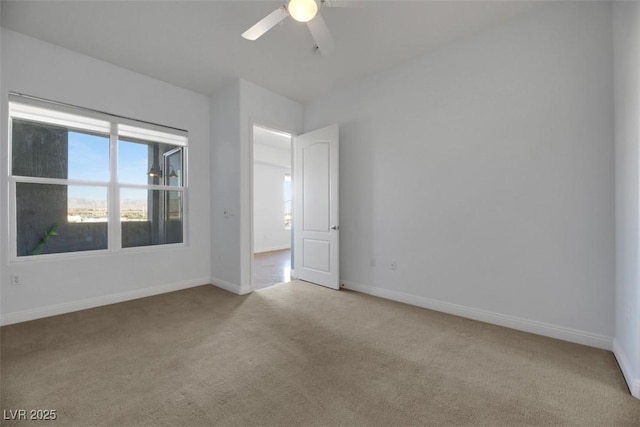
{"x":86,"y":204}
{"x":173,"y":166}
{"x":49,"y":151}
{"x":65,"y":180}
{"x":133,"y":162}
{"x":88,"y":157}
{"x":149,"y":163}
{"x":150,"y":217}
{"x":39,"y":150}
{"x":56,"y":218}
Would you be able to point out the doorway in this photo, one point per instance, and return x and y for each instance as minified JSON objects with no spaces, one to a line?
{"x":272,"y":207}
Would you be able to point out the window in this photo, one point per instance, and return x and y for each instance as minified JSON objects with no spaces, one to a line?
{"x":88,"y":181}
{"x":287,"y":201}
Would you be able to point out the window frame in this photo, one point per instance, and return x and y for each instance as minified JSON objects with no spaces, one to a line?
{"x":154,"y":133}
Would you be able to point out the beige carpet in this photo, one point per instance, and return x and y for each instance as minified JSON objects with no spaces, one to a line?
{"x":298,"y":354}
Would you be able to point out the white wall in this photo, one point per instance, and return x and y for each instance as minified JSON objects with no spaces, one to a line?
{"x":269,"y":233}
{"x":270,"y":165}
{"x":485,"y":170}
{"x":626,"y":20}
{"x":234,"y":111}
{"x":225,"y":187}
{"x":271,"y":155}
{"x":49,"y":287}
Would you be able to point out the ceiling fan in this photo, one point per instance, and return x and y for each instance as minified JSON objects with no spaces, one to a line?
{"x":302,"y":11}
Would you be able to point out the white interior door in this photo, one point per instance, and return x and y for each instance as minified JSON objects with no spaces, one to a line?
{"x":316,"y":226}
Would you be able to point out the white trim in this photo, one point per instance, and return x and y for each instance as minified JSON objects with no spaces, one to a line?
{"x":272,"y":164}
{"x":24,"y":111}
{"x":272,"y":249}
{"x":114,"y":229}
{"x":149,"y":187}
{"x":623,"y":361}
{"x":68,"y":307}
{"x":275,"y":131}
{"x":230,"y":287}
{"x":513,"y":322}
{"x":74,"y":110}
{"x":143,"y":133}
{"x":58,"y":181}
{"x":251,"y":219}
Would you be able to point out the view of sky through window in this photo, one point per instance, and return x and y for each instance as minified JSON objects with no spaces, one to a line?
{"x":133,"y":162}
{"x":88,"y":159}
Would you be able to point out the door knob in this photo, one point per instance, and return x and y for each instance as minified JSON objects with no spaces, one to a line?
{"x":335,"y":227}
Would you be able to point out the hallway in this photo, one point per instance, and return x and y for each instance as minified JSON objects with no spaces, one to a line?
{"x":270,"y":268}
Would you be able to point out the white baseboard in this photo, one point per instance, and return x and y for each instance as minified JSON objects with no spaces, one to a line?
{"x":231,"y":287}
{"x":68,"y":307}
{"x":271,"y":249}
{"x":526,"y":325}
{"x":633,"y":382}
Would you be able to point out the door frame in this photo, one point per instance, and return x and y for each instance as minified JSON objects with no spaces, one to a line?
{"x":292,"y":134}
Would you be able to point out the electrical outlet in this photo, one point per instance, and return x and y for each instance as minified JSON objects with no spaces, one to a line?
{"x":393,"y":265}
{"x":15,"y":280}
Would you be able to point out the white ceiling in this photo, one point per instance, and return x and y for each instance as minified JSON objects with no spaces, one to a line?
{"x":197,"y":44}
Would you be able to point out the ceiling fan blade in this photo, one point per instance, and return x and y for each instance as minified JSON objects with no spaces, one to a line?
{"x":266,"y":23}
{"x":321,"y":34}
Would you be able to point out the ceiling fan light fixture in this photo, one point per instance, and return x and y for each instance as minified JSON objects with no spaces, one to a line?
{"x":302,"y":10}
